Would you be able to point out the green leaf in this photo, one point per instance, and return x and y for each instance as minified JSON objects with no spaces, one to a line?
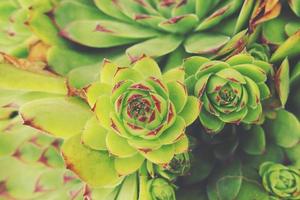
{"x":284,"y":129}
{"x":166,"y":44}
{"x":176,"y":74}
{"x":129,"y":188}
{"x":182,"y":145}
{"x":234,"y":117}
{"x":252,"y":71}
{"x":42,"y":26}
{"x":293,"y":155}
{"x":170,"y":135}
{"x":191,"y":110}
{"x":125,"y":74}
{"x":95,"y":90}
{"x":88,"y":164}
{"x":254,"y":140}
{"x":64,"y":12}
{"x":163,"y":155}
{"x":192,"y":64}
{"x":63,"y":60}
{"x":57,"y":116}
{"x":253,"y":115}
{"x":240,"y":59}
{"x":13,"y":78}
{"x":244,"y":15}
{"x":83,"y":76}
{"x":211,"y":123}
{"x":148,"y":67}
{"x":202,"y":163}
{"x":108,"y":7}
{"x":253,"y":93}
{"x":125,"y":166}
{"x":204,"y":43}
{"x":232,"y":75}
{"x":183,"y":25}
{"x":225,"y":182}
{"x":102,"y":109}
{"x":119,"y":146}
{"x":289,"y":48}
{"x":178,"y":95}
{"x":105,"y":33}
{"x":282,"y":81}
{"x":295,"y":76}
{"x":94,"y":135}
{"x":252,"y":189}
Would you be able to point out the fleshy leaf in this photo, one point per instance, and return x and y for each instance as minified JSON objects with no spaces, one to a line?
{"x":182,"y":145}
{"x":102,"y":109}
{"x":203,"y":43}
{"x":57,"y":116}
{"x":167,"y":44}
{"x":282,"y":82}
{"x":95,"y":90}
{"x":162,"y":155}
{"x":119,"y":146}
{"x":176,"y":74}
{"x":94,"y":167}
{"x":211,"y":123}
{"x":148,"y":67}
{"x":226,"y":181}
{"x":171,"y":134}
{"x":17,"y":79}
{"x":178,"y":95}
{"x":191,"y":110}
{"x":284,"y":129}
{"x":192,"y":64}
{"x":125,"y":166}
{"x":94,"y":135}
{"x":254,"y":140}
{"x":290,"y":48}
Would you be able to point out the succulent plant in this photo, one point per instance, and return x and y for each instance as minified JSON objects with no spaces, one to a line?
{"x":135,"y":114}
{"x":131,"y":132}
{"x":156,"y":28}
{"x":281,"y":181}
{"x":160,"y":189}
{"x":230,"y":91}
{"x":15,"y":35}
{"x":31,"y":165}
{"x":285,"y":40}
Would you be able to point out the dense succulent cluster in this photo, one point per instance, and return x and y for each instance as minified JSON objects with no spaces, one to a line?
{"x":155,"y":28}
{"x":103,"y":103}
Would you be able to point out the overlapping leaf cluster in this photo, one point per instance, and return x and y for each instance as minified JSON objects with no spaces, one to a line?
{"x":215,"y":116}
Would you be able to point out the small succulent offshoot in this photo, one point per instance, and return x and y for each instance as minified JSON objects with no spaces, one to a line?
{"x":282,"y":182}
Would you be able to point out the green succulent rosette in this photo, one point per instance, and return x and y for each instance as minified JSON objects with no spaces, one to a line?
{"x":16,"y":38}
{"x":160,"y":189}
{"x":142,"y":112}
{"x":178,"y":166}
{"x":280,"y":181}
{"x":231,"y":91}
{"x":156,"y":28}
{"x":131,"y":114}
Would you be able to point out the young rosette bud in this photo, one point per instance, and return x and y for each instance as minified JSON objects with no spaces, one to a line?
{"x":280,"y":181}
{"x":160,"y":189}
{"x":178,"y":166}
{"x":230,"y":91}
